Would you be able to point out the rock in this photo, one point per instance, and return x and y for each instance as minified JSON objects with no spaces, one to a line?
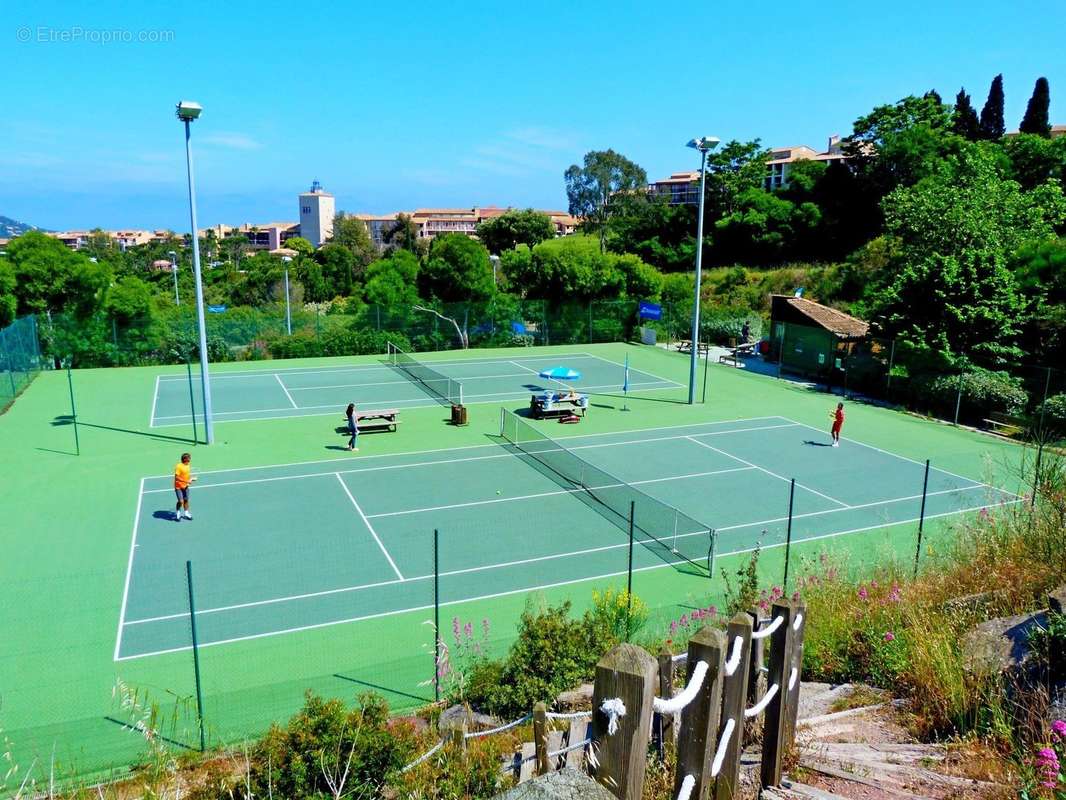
{"x":1001,"y":644}
{"x":576,"y":699}
{"x":456,"y":715}
{"x":1056,"y":600}
{"x":566,"y":784}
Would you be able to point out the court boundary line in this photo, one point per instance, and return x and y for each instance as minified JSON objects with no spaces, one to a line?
{"x":504,"y":454}
{"x":155,"y":399}
{"x":768,"y":472}
{"x":622,"y":366}
{"x":464,"y":447}
{"x":129,"y":571}
{"x":370,"y":527}
{"x":283,"y":388}
{"x":542,"y":587}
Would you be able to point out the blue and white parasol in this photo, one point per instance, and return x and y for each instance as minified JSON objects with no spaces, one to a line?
{"x":560,"y":374}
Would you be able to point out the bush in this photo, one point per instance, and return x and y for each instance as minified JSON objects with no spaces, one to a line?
{"x":1054,"y":411}
{"x":721,"y":325}
{"x":336,"y":342}
{"x":983,"y":392}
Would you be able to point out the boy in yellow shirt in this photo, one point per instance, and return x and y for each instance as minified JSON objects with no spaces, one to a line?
{"x":182,"y":478}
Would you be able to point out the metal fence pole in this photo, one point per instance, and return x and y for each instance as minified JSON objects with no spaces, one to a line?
{"x":195,"y":656}
{"x":788,"y":534}
{"x":921,"y":519}
{"x":1043,"y":403}
{"x":891,"y":363}
{"x":706,"y":361}
{"x":629,"y":571}
{"x":958,"y":400}
{"x":192,"y":401}
{"x":436,"y":614}
{"x":73,"y":410}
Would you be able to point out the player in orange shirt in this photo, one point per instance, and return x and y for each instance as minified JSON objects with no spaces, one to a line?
{"x":182,"y":478}
{"x":838,"y":423}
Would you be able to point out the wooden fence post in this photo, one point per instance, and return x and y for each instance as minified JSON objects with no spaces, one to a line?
{"x":773,"y":735}
{"x":457,"y":735}
{"x":699,"y":719}
{"x":756,"y":676}
{"x":626,"y":673}
{"x":792,"y":703}
{"x":664,"y":723}
{"x":540,"y":736}
{"x":734,"y":697}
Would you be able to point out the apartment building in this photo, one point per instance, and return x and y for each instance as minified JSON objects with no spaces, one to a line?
{"x":680,"y":189}
{"x":77,"y":240}
{"x":782,"y":159}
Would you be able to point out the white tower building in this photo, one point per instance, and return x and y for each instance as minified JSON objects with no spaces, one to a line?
{"x":317,"y":209}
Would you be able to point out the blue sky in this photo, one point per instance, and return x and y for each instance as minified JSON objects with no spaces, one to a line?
{"x":455,"y":104}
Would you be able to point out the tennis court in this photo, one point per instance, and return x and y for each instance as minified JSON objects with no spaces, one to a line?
{"x":299,"y":546}
{"x":293,"y":392}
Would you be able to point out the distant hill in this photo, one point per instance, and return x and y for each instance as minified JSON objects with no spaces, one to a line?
{"x":12,"y":227}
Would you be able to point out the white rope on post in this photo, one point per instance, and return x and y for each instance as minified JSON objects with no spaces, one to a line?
{"x":792,"y":679}
{"x":577,"y":746}
{"x":734,"y":657}
{"x":762,"y":633}
{"x":615,"y":709}
{"x":759,"y":707}
{"x":424,"y":756}
{"x":679,"y":657}
{"x":672,"y":705}
{"x":572,"y":715}
{"x":687,"y":785}
{"x":723,"y":745}
{"x":797,"y":622}
{"x":501,"y":729}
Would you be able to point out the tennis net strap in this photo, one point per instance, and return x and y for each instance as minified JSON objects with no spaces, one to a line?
{"x":662,"y":528}
{"x":434,"y":382}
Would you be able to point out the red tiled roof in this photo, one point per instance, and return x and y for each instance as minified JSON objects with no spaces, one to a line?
{"x":832,"y":320}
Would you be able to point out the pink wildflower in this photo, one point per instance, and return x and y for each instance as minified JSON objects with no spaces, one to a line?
{"x":468,"y":629}
{"x":684,"y":619}
{"x":889,"y":636}
{"x":796,"y":596}
{"x":673,"y":627}
{"x":714,"y":612}
{"x":863,"y":594}
{"x":1058,"y":727}
{"x":485,"y":627}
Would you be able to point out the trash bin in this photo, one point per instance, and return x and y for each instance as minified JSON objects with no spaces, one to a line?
{"x":459,"y":415}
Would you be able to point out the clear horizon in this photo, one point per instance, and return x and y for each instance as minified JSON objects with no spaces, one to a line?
{"x":446,"y":107}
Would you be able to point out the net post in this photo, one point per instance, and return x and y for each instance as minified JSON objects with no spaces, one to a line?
{"x":10,"y":360}
{"x":706,"y":361}
{"x":460,"y":393}
{"x":629,"y":571}
{"x":921,"y":519}
{"x":436,"y":614}
{"x":192,"y":401}
{"x":788,"y":534}
{"x":73,"y":410}
{"x":710,"y":553}
{"x":195,"y":657}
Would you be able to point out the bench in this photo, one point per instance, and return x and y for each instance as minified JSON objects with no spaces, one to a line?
{"x":1004,"y":424}
{"x":685,"y":346}
{"x":378,"y":419}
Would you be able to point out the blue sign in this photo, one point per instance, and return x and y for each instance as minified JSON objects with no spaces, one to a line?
{"x":648,"y":310}
{"x":216,"y":309}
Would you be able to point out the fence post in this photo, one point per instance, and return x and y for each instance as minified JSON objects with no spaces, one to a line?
{"x":540,"y":737}
{"x":629,"y":571}
{"x":891,"y":362}
{"x":73,"y":410}
{"x":195,"y":657}
{"x":626,"y":673}
{"x":733,"y":703}
{"x":774,"y":743}
{"x":921,"y":519}
{"x":756,"y":676}
{"x":788,"y":533}
{"x":958,"y":400}
{"x":664,"y":723}
{"x":699,"y":719}
{"x":792,"y":699}
{"x":436,"y":614}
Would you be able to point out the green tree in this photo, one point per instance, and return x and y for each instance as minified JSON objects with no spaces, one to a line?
{"x":129,"y":300}
{"x":607,"y":182}
{"x":663,"y":235}
{"x":403,"y":235}
{"x":515,"y":227}
{"x":764,"y":229}
{"x":338,"y":268}
{"x":351,"y":234}
{"x":233,"y":247}
{"x":642,"y":281}
{"x":872,"y":131}
{"x":1036,"y":120}
{"x":1035,"y":159}
{"x":8,"y":301}
{"x":300,"y":245}
{"x":964,"y":120}
{"x":49,"y":276}
{"x":458,"y":269}
{"x":393,"y":281}
{"x":732,"y":170}
{"x":992,"y":124}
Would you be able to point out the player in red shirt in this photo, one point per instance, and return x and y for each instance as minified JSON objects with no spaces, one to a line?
{"x":838,"y":423}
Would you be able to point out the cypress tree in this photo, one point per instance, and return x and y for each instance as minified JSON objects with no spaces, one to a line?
{"x":1036,"y":113}
{"x":933,"y":94}
{"x":992,"y":125}
{"x":964,"y":120}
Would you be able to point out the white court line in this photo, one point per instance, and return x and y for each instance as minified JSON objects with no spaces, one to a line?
{"x":557,"y":492}
{"x":398,"y":383}
{"x":420,"y":403}
{"x":155,"y":399}
{"x":129,"y":571}
{"x":370,"y":527}
{"x":359,"y":367}
{"x":465,"y":447}
{"x":768,"y":472}
{"x":525,"y":589}
{"x":635,"y":369}
{"x":912,"y":460}
{"x":282,"y":385}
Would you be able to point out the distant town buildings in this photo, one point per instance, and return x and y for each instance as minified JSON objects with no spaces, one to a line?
{"x":430,"y":222}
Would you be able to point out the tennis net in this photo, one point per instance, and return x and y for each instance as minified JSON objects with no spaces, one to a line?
{"x":437,"y":384}
{"x":666,"y":531}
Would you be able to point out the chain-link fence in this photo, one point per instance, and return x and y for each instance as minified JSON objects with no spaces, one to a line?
{"x":20,"y":358}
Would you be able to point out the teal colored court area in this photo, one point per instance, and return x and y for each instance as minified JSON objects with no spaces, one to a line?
{"x":294,"y":547}
{"x":301,"y":391}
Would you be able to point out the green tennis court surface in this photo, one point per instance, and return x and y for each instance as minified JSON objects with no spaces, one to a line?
{"x":294,"y":547}
{"x":302,"y":391}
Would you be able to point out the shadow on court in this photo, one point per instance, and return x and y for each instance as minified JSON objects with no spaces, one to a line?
{"x":812,"y":443}
{"x":66,"y":419}
{"x":167,"y":739}
{"x":380,"y":688}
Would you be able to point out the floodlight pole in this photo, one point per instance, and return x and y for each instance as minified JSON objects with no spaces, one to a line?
{"x":205,"y":382}
{"x":288,"y":313}
{"x":174,"y":272}
{"x":704,"y":145}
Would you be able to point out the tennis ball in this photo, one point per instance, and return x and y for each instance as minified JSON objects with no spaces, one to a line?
{"x":497,"y":491}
